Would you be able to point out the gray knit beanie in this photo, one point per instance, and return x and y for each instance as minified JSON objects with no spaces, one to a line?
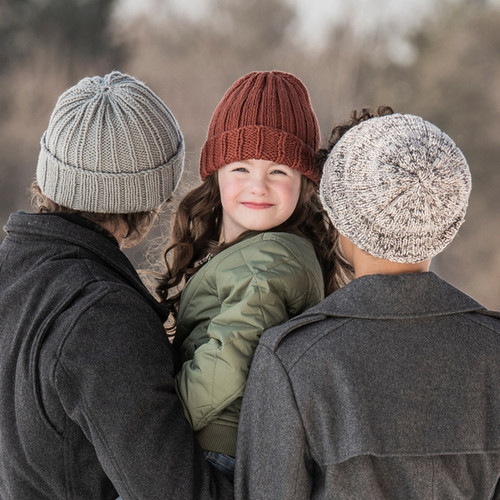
{"x":397,"y":187}
{"x":111,"y":146}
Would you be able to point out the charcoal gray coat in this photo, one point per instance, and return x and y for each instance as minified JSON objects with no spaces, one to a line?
{"x":388,"y":389}
{"x":88,"y":407}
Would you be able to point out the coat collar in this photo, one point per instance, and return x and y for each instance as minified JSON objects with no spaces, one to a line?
{"x":56,"y":228}
{"x":396,"y":296}
{"x":378,"y":296}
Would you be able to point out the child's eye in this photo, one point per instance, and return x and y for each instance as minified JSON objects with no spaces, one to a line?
{"x":239,"y":169}
{"x":277,"y":171}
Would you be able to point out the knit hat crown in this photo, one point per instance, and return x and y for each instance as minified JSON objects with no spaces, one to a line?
{"x":264,"y":115}
{"x":111,"y":146}
{"x":397,"y":187}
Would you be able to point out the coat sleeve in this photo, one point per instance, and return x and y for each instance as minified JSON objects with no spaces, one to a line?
{"x":268,"y":286}
{"x":115,"y":378}
{"x":272,"y":457}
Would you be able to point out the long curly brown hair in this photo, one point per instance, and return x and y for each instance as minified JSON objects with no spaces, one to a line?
{"x":196,"y":227}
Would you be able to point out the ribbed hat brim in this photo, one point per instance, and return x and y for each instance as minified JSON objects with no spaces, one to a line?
{"x":99,"y":192}
{"x":111,"y":146}
{"x":258,"y":142}
{"x":264,"y":115}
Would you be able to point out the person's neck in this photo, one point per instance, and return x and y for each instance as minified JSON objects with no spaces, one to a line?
{"x":367,"y":267}
{"x":365,"y":264}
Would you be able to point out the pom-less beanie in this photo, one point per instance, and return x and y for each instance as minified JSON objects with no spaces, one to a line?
{"x":111,"y":146}
{"x":264,"y":115}
{"x":397,"y":187}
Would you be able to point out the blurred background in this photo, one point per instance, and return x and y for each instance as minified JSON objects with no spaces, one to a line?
{"x":439,"y":59}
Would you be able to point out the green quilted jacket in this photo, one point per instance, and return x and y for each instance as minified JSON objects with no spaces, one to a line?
{"x":255,"y":284}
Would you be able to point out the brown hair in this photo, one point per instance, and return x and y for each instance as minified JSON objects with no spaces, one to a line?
{"x":196,"y":227}
{"x":338,"y":131}
{"x":138,"y":224}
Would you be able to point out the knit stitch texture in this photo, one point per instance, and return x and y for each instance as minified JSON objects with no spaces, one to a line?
{"x":111,"y":146}
{"x":264,"y":115}
{"x":397,"y":187}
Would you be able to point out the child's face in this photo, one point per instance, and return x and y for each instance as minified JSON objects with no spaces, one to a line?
{"x":256,"y":195}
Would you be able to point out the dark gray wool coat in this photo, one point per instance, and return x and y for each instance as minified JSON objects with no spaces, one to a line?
{"x":388,"y":389}
{"x":88,"y":407}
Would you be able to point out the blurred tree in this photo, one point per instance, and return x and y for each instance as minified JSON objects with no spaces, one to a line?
{"x":80,"y":28}
{"x":341,"y":68}
{"x":253,"y":23}
{"x":45,"y":45}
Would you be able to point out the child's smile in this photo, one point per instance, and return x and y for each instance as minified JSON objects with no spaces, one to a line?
{"x":256,"y":195}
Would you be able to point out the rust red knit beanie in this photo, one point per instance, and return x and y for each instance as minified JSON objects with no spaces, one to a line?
{"x":264,"y":115}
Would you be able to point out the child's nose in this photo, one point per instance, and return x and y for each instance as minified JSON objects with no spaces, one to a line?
{"x":258,"y":186}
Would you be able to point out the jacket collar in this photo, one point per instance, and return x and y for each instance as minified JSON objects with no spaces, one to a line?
{"x":380,"y":296}
{"x":85,"y":236}
{"x":396,"y":296}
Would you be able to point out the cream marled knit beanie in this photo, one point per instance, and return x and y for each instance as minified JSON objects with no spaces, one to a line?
{"x":397,"y":187}
{"x":111,"y":146}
